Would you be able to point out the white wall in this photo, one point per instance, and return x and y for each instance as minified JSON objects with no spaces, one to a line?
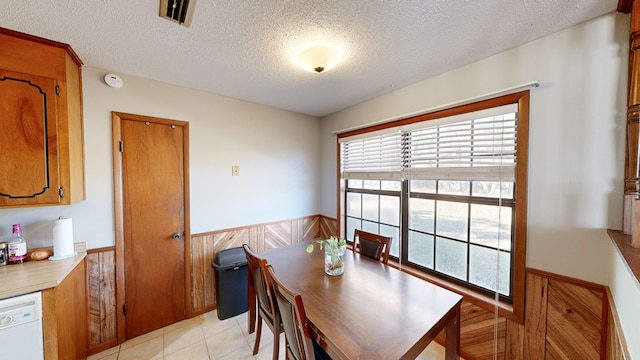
{"x":625,"y":290}
{"x":576,"y":149}
{"x":277,"y":151}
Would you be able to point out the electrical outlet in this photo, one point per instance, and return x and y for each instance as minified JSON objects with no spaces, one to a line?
{"x":235,"y":170}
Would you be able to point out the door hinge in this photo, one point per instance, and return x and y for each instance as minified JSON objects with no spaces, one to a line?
{"x":61,"y":192}
{"x":58,"y":90}
{"x":124,"y":309}
{"x":120,"y":146}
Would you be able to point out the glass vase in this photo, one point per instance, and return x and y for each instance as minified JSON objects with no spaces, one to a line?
{"x":333,"y":262}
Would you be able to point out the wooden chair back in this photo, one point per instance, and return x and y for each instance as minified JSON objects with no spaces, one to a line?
{"x":267,"y":307}
{"x":294,"y":320}
{"x":372,"y":245}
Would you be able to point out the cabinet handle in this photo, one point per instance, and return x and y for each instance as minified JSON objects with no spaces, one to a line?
{"x":176,"y":236}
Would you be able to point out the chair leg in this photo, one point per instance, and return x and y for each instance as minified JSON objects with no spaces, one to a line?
{"x":276,"y":340}
{"x":256,"y":345}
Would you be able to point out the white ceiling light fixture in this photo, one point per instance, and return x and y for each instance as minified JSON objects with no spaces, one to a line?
{"x":318,"y":58}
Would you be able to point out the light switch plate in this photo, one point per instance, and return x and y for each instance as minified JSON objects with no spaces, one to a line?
{"x":235,"y":170}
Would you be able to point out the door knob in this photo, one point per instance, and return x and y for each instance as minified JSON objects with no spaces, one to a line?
{"x":176,"y":236}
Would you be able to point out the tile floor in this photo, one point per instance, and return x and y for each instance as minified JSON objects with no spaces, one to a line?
{"x":208,"y":338}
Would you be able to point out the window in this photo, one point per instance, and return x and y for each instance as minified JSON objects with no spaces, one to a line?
{"x":450,"y":188}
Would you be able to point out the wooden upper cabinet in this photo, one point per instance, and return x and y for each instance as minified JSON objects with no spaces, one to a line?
{"x":42,"y":146}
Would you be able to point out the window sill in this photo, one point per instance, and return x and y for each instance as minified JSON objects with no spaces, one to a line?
{"x":630,"y":255}
{"x":486,"y":302}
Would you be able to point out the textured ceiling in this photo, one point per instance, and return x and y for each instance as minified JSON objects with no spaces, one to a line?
{"x":244,"y":48}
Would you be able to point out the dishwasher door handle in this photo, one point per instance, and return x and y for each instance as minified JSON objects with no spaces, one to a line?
{"x":5,"y":320}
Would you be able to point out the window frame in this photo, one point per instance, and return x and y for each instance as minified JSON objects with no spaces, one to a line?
{"x":515,"y":309}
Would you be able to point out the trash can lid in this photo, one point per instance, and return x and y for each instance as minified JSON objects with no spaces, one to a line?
{"x":229,"y":258}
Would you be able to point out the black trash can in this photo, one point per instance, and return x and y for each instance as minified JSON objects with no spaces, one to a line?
{"x":230,"y":267}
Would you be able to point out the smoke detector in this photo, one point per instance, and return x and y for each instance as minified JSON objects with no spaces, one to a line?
{"x":178,"y":11}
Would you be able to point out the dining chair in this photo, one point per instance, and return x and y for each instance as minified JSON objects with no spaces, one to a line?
{"x":372,"y":245}
{"x":299,"y":343}
{"x":267,"y":308}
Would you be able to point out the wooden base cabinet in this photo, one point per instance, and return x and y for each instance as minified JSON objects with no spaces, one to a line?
{"x":42,"y":150}
{"x":64,"y":317}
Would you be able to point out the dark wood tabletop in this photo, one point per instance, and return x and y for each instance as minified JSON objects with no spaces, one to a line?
{"x":372,"y":311}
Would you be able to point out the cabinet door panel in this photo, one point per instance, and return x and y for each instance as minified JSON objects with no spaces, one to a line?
{"x":28,"y":149}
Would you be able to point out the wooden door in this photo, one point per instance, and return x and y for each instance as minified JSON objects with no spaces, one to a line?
{"x":154,"y":248}
{"x":28,"y":153}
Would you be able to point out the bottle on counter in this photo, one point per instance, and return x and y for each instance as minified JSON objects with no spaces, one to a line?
{"x":17,"y":246}
{"x":4,"y":253}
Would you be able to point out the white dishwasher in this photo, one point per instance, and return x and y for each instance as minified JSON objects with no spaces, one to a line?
{"x":21,"y":327}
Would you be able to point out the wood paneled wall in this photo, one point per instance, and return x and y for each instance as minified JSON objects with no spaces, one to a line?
{"x":616,"y":344}
{"x":259,"y":237}
{"x":101,"y":285}
{"x":478,"y":329}
{"x":565,"y":318}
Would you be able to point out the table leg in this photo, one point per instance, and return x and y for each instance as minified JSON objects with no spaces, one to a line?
{"x":452,"y":332}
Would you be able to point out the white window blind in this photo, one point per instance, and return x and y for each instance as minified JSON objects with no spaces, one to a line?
{"x":479,"y":145}
{"x":377,"y":157}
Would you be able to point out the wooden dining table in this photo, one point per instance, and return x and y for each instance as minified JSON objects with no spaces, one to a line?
{"x":372,"y":311}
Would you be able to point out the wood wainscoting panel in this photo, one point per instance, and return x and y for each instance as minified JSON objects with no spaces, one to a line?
{"x":514,"y":340}
{"x":310,"y":229}
{"x":482,"y":333}
{"x":614,"y":350}
{"x":535,"y":323}
{"x":328,"y":227}
{"x":278,"y":234}
{"x":574,"y":320}
{"x":202,"y":253}
{"x":616,"y":343}
{"x":256,"y":238}
{"x":94,"y":302}
{"x":231,"y":239}
{"x":101,"y":281}
{"x":259,"y":237}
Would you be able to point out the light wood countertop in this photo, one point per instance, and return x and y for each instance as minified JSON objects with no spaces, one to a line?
{"x":38,"y":275}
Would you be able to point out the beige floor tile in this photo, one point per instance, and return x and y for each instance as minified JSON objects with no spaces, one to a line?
{"x":148,"y":350}
{"x":225,"y":342}
{"x":266,"y":352}
{"x":105,"y":354}
{"x":181,"y":337}
{"x":140,"y":339}
{"x":195,"y":321}
{"x":243,"y":321}
{"x":197,"y":351}
{"x":211,"y":324}
{"x":243,"y":353}
{"x":113,"y":356}
{"x":265,"y":338}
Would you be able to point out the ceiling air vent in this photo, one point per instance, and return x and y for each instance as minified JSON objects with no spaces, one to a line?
{"x":178,"y":11}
